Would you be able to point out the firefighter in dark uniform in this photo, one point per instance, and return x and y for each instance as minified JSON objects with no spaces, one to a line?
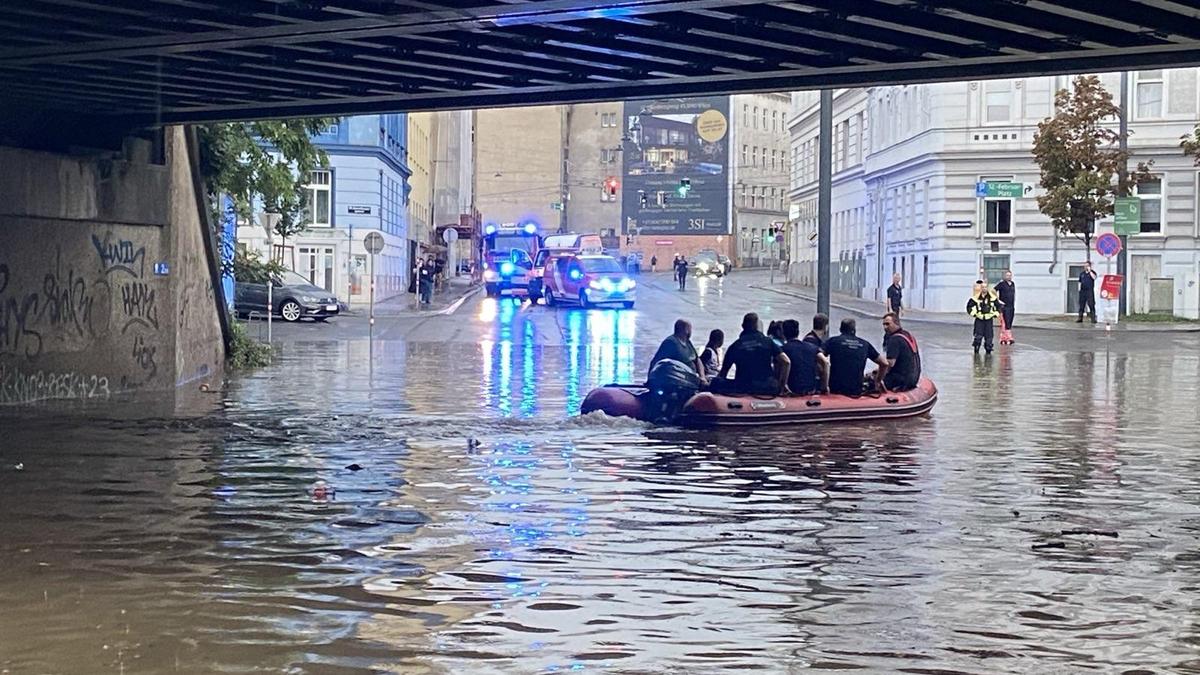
{"x":984,"y":307}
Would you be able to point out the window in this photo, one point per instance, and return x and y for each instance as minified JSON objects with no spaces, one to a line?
{"x":1148,"y":93}
{"x":998,"y":214}
{"x":745,"y":148}
{"x":745,"y":114}
{"x":320,"y":196}
{"x":608,"y":155}
{"x":754,"y":156}
{"x":1150,"y":192}
{"x":844,"y":146}
{"x":774,"y":120}
{"x":997,"y":101}
{"x":754,"y":120}
{"x":743,"y":195}
{"x":994,"y":267}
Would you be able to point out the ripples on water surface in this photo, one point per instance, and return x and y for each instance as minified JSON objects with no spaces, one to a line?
{"x":1015,"y":531}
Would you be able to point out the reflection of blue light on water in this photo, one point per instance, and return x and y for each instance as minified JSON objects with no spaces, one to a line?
{"x":504,"y":382}
{"x":573,"y":333}
{"x":529,"y":392}
{"x":489,"y":394}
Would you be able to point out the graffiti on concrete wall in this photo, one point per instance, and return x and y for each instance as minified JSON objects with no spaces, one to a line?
{"x":120,"y":255}
{"x":18,"y":314}
{"x":17,"y":387}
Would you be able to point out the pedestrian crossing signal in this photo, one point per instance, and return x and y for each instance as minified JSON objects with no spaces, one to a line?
{"x":685,"y":186}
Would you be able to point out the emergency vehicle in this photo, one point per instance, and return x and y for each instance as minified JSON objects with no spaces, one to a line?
{"x":507,"y":252}
{"x":587,"y":279}
{"x":557,"y":245}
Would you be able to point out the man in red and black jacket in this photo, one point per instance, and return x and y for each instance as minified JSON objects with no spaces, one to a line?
{"x":902,"y":354}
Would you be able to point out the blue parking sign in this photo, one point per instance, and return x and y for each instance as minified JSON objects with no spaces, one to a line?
{"x":981,"y":189}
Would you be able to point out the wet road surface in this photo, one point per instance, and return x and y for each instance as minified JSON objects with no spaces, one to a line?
{"x":1044,"y":519}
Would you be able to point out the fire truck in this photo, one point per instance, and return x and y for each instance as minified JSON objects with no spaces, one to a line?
{"x":506,"y":251}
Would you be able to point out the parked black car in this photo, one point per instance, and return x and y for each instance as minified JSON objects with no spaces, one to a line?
{"x":294,"y":298}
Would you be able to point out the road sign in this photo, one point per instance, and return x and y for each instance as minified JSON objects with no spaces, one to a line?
{"x":556,"y":206}
{"x":779,"y":238}
{"x":1108,"y":244}
{"x":1000,"y":189}
{"x":373,"y":242}
{"x":450,"y":235}
{"x":358,"y":209}
{"x":1127,"y":215}
{"x":162,"y":269}
{"x":1110,"y":286}
{"x":663,"y":242}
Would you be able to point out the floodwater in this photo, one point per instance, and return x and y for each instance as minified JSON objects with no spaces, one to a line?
{"x":1044,"y":519}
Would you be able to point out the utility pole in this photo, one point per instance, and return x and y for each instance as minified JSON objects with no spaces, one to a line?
{"x":1122,"y":260}
{"x":824,"y":199}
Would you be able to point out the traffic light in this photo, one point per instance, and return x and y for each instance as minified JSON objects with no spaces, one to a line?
{"x":642,"y":198}
{"x":662,"y":198}
{"x":685,"y":186}
{"x":611,"y":184}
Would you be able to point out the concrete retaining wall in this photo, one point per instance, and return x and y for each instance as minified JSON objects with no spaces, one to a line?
{"x":104,"y":284}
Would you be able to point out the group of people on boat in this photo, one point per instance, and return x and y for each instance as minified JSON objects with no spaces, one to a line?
{"x":780,"y":362}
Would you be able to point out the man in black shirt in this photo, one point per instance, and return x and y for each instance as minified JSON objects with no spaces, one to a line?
{"x":810,"y":368}
{"x":761,"y":366}
{"x":679,"y":347}
{"x":895,"y":295}
{"x":1006,"y":290}
{"x":681,"y":272}
{"x":819,"y":332}
{"x":848,"y":356}
{"x":1087,"y":292}
{"x":903,"y":356}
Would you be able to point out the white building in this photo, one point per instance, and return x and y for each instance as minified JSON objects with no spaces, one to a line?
{"x":758,"y":151}
{"x":906,"y":162}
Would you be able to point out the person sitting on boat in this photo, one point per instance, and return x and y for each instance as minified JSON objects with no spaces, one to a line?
{"x":775,"y":332}
{"x":820,"y":330}
{"x":903,"y":356}
{"x":810,"y":368}
{"x":848,"y":356}
{"x":711,"y":356}
{"x":679,"y":347}
{"x":761,"y":367}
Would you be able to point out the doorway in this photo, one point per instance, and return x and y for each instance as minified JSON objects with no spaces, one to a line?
{"x":1142,"y":269}
{"x":1073,"y":272}
{"x":316,"y":265}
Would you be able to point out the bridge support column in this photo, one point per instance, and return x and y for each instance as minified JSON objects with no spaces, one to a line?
{"x":106,"y":286}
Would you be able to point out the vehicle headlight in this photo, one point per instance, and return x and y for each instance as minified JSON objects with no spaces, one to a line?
{"x":309,"y":299}
{"x":627,"y":284}
{"x":594,"y":285}
{"x":490,"y":275}
{"x":507,"y":268}
{"x":703,"y":267}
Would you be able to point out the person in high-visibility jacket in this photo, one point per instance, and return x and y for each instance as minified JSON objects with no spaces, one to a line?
{"x":984,"y":306}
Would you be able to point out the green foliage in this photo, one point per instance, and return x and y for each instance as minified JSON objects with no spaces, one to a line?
{"x":1191,"y":145}
{"x":1081,"y":162}
{"x":250,"y":267}
{"x":237,"y":159}
{"x":245,"y":352}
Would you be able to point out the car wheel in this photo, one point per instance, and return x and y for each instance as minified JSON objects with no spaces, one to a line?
{"x":291,"y":311}
{"x":583,"y":301}
{"x":550,"y":301}
{"x":628,"y":305}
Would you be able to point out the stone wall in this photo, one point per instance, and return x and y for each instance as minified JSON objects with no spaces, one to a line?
{"x":104,"y":285}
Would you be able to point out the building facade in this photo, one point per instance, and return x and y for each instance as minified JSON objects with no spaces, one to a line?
{"x":364,"y":189}
{"x":519,"y":165}
{"x":907,"y":163}
{"x":421,"y":131}
{"x":760,"y":174}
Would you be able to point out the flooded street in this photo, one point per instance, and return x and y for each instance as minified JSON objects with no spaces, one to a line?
{"x":429,"y":502}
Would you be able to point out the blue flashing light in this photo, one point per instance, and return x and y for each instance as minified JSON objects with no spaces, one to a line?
{"x":576,"y":275}
{"x":507,"y":268}
{"x":530,"y":228}
{"x":489,"y":229}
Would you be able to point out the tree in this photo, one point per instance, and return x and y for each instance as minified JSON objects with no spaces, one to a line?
{"x":1191,"y":145}
{"x":1083,"y":167}
{"x":270,"y":161}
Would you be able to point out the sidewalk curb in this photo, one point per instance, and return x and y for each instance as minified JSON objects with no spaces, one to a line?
{"x":450,"y":308}
{"x":1124,"y":328}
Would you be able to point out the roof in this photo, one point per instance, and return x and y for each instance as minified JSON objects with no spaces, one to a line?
{"x":169,"y":61}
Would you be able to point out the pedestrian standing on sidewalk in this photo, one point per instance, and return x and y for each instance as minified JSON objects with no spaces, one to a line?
{"x":1006,"y":290}
{"x":984,"y":307}
{"x":1087,"y":292}
{"x":653,"y":264}
{"x":895,"y":295}
{"x":425,"y":276}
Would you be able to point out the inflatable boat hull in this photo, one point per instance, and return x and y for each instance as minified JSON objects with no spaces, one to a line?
{"x":706,"y":410}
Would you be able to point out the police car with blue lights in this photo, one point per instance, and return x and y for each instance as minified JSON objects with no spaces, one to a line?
{"x":507,"y":255}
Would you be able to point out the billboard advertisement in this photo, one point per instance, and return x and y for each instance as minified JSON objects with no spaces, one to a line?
{"x":676,"y":167}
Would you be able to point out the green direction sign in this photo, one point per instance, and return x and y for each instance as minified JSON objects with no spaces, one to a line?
{"x":1005,"y":189}
{"x":557,"y":206}
{"x":1127,"y":215}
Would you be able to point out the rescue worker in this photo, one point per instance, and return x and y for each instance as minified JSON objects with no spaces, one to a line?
{"x":810,"y":368}
{"x":903,"y":356}
{"x":848,"y":356}
{"x":820,"y":330}
{"x":775,"y":332}
{"x":1087,"y":292}
{"x":679,"y":347}
{"x":984,"y":307}
{"x":761,"y":366}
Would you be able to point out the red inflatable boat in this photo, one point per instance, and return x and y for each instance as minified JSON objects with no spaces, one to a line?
{"x":713,"y":410}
